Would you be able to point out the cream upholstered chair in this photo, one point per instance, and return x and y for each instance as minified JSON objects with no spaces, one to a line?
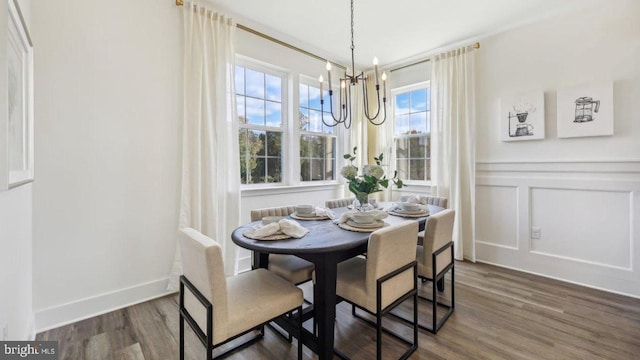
{"x":437,"y":201}
{"x":220,"y":309}
{"x":336,"y":203}
{"x":435,"y":258}
{"x":289,"y":267}
{"x":383,"y":280}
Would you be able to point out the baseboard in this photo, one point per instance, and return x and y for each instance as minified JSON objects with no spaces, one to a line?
{"x":60,"y":315}
{"x":560,"y":279}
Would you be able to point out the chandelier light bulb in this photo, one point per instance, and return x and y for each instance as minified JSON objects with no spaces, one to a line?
{"x":328,"y":66}
{"x":384,"y":76}
{"x":375,"y":60}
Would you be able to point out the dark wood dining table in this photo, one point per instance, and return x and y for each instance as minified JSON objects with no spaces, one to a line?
{"x":325,"y":246}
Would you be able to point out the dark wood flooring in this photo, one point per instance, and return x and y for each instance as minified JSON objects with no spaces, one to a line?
{"x":500,"y":314}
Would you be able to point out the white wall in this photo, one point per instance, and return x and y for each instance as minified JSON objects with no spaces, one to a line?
{"x":581,"y":192}
{"x":16,"y":296}
{"x":107,"y":142}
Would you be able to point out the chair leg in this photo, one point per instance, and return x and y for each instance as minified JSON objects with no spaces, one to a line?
{"x":441,"y":285}
{"x":181,"y":337}
{"x":379,"y":334}
{"x":434,"y":304}
{"x":300,"y":333}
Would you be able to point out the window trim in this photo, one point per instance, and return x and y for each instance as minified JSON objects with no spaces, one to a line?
{"x":259,"y":66}
{"x":405,"y":89}
{"x":337,"y":135}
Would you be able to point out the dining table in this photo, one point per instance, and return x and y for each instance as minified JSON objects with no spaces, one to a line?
{"x":325,"y":245}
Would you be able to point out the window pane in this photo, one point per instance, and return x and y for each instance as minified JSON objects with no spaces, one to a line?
{"x":402,"y":125}
{"x":256,"y":142}
{"x":315,"y":121}
{"x":274,"y":143}
{"x":330,"y":156}
{"x":243,"y":170}
{"x":418,"y":123}
{"x":314,"y":98}
{"x":274,"y":114}
{"x":327,"y":101}
{"x":402,"y":148}
{"x":258,"y":172}
{"x":274,"y":170}
{"x":305,"y":170}
{"x":254,"y":83}
{"x":239,"y":80}
{"x":304,"y":96}
{"x":402,"y":103}
{"x":428,"y":98}
{"x":328,"y":129}
{"x":402,"y":166}
{"x":304,"y":146}
{"x":242,"y":119}
{"x":303,"y":117}
{"x":255,"y":111}
{"x":417,"y":147}
{"x":274,"y":88}
{"x":419,"y":100}
{"x":317,"y":169}
{"x":417,"y":168}
{"x":428,"y":169}
{"x":317,"y":147}
{"x":429,"y":122}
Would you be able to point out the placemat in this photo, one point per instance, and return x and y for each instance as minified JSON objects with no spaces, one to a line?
{"x":356,"y":229}
{"x":278,"y":236}
{"x":298,"y":217}
{"x":405,"y":215}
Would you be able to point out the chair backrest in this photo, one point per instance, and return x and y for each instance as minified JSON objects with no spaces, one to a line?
{"x":437,"y":201}
{"x":203,"y":266}
{"x":336,"y":203}
{"x":258,"y":214}
{"x":438,"y":232}
{"x":389,"y":249}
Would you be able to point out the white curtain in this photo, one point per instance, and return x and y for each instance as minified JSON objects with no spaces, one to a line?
{"x":453,"y":136}
{"x":210,"y":201}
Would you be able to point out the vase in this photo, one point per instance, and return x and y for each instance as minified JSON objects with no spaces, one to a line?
{"x":363,"y":200}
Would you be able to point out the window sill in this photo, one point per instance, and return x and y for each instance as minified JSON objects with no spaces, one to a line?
{"x":249,"y":191}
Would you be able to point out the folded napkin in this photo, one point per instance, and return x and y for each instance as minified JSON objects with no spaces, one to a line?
{"x":292,"y":228}
{"x":285,"y":226}
{"x":417,"y":199}
{"x":377,"y":215}
{"x":320,"y":211}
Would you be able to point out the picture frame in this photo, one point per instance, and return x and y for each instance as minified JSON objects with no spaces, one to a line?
{"x":19,"y":115}
{"x":522,"y":117}
{"x":586,"y":110}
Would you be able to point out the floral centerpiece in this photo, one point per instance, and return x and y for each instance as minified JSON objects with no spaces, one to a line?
{"x":370,"y":181}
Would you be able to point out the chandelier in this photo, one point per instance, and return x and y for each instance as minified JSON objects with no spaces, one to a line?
{"x":345,"y":100}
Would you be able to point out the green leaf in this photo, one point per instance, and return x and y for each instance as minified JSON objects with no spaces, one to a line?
{"x":354,"y":149}
{"x":347,"y":156}
{"x":381,"y":157}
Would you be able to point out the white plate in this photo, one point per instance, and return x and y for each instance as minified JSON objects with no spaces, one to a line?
{"x":373,"y":225}
{"x":312,"y":215}
{"x":408,"y":212}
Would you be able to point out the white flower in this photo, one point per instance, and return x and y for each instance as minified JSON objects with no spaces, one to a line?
{"x":373,"y":170}
{"x":349,"y":171}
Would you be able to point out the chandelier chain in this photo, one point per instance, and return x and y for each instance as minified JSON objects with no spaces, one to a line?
{"x":352,"y":46}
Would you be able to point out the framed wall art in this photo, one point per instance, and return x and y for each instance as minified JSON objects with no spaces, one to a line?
{"x":19,"y":84}
{"x":586,"y":110}
{"x":522,"y":117}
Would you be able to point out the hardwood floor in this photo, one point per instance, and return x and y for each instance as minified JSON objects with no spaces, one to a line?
{"x":500,"y":314}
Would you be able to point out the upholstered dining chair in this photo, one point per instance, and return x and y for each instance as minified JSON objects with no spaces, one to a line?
{"x":435,"y":259}
{"x":289,"y":267}
{"x":336,"y":203}
{"x":220,"y":309}
{"x":437,"y":201}
{"x":385,"y":279}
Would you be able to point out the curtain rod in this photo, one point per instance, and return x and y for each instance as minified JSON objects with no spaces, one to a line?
{"x":475,"y":46}
{"x":278,"y":41}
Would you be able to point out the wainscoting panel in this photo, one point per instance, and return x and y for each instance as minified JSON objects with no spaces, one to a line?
{"x":497,"y":216}
{"x":575,"y":221}
{"x":586,"y":232}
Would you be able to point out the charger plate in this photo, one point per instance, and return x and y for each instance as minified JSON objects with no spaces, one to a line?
{"x":277,"y":236}
{"x":401,"y":213}
{"x":346,"y":226}
{"x":304,"y":217}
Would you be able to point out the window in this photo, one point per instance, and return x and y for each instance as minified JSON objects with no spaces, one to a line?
{"x":260,"y":101}
{"x":317,"y":141}
{"x":412,"y":132}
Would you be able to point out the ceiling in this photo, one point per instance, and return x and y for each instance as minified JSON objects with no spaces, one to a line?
{"x":390,"y":30}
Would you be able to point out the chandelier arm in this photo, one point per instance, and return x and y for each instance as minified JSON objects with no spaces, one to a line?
{"x":366,"y":101}
{"x":347,"y":120}
{"x":337,"y":121}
